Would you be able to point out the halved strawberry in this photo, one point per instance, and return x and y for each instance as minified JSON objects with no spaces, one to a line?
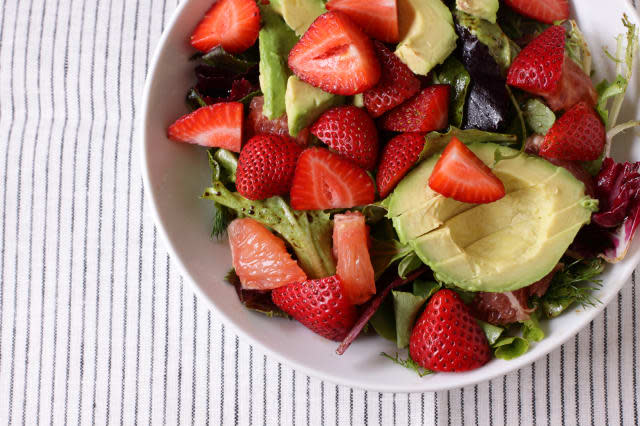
{"x":261,"y":259}
{"x":232,"y":24}
{"x":538,"y":67}
{"x":350,"y":132}
{"x":324,"y":180}
{"x":396,"y":85}
{"x":427,"y":111}
{"x":546,"y":11}
{"x":320,"y":305}
{"x":461,"y":175}
{"x":266,"y":166}
{"x":336,"y":56}
{"x":217,"y":125}
{"x":398,"y":156}
{"x":378,"y":18}
{"x":350,"y":236}
{"x":575,"y":86}
{"x":578,"y":135}
{"x":257,"y":123}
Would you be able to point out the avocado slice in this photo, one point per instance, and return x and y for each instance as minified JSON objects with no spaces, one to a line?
{"x":304,"y":104}
{"x":483,"y":9}
{"x":275,"y":41}
{"x":427,"y":35}
{"x":299,"y":14}
{"x":495,"y":247}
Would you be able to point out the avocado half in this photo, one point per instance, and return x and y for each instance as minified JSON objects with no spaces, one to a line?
{"x":495,"y":247}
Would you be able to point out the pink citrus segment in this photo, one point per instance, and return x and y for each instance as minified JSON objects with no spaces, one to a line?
{"x":260,"y":258}
{"x":351,"y":248}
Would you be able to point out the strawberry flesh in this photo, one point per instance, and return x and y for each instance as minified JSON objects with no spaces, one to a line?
{"x":378,"y":18}
{"x":397,"y":83}
{"x":320,"y":305}
{"x":257,"y":123}
{"x":325,"y":180}
{"x":218,"y":125}
{"x":461,"y":175}
{"x":427,"y":111}
{"x":547,"y":11}
{"x":578,"y":135}
{"x":350,"y":132}
{"x":335,"y":56}
{"x":398,"y":156}
{"x":446,"y":338}
{"x":232,"y":24}
{"x":266,"y":166}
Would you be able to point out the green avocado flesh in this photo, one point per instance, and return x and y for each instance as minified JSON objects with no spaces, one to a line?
{"x":484,"y":9}
{"x":500,"y":246}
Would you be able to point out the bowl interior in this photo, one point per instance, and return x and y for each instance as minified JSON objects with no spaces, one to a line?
{"x":176,"y":174}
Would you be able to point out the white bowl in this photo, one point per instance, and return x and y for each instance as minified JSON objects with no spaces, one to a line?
{"x":176,"y":174}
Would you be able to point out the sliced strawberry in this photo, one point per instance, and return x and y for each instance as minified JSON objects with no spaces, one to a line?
{"x":398,"y":156}
{"x":538,"y":67}
{"x":546,"y":11}
{"x":232,"y":24}
{"x":350,"y":236}
{"x":461,"y":175}
{"x":261,"y":259}
{"x":350,"y":132}
{"x":447,"y":338}
{"x":575,"y":86}
{"x":428,"y":111}
{"x":257,"y":123}
{"x":336,"y":56}
{"x":266,"y":166}
{"x":217,"y":125}
{"x":378,"y":18}
{"x":578,"y":135}
{"x":396,"y":85}
{"x":320,"y":305}
{"x":324,"y":180}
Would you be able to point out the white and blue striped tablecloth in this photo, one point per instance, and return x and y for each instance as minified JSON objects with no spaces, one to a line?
{"x":98,"y":327}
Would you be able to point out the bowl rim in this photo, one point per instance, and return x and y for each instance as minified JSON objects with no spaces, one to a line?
{"x":561,"y":338}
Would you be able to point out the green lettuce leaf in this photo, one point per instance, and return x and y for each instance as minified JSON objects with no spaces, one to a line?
{"x":531,"y":329}
{"x":453,"y":73}
{"x":405,"y":307}
{"x":386,"y":252}
{"x":493,"y":332}
{"x":384,"y":321}
{"x":408,"y":264}
{"x":308,"y":232}
{"x":511,"y":347}
{"x":577,"y":48}
{"x":538,"y":116}
{"x":425,"y":289}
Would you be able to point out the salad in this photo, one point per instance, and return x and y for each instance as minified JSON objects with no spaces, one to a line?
{"x":437,"y":173}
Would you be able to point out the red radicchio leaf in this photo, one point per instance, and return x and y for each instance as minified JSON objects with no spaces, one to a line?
{"x":372,"y":306}
{"x":618,"y":189}
{"x":222,"y":85}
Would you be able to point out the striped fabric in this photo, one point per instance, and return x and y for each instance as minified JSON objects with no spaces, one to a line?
{"x":96,"y":324}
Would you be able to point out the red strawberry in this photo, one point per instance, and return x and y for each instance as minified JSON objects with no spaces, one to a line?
{"x":398,"y":156}
{"x":538,"y":67}
{"x":350,"y":132}
{"x":428,"y":111}
{"x":546,"y":11}
{"x":378,"y":18}
{"x":336,"y":56}
{"x":261,"y":259}
{"x":257,"y":123}
{"x":461,"y":175}
{"x":217,"y":125}
{"x":232,"y":24}
{"x":575,"y":86}
{"x":320,"y":305}
{"x":266,"y":166}
{"x":447,"y":338}
{"x":396,"y":85}
{"x":578,"y":135}
{"x":324,"y":180}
